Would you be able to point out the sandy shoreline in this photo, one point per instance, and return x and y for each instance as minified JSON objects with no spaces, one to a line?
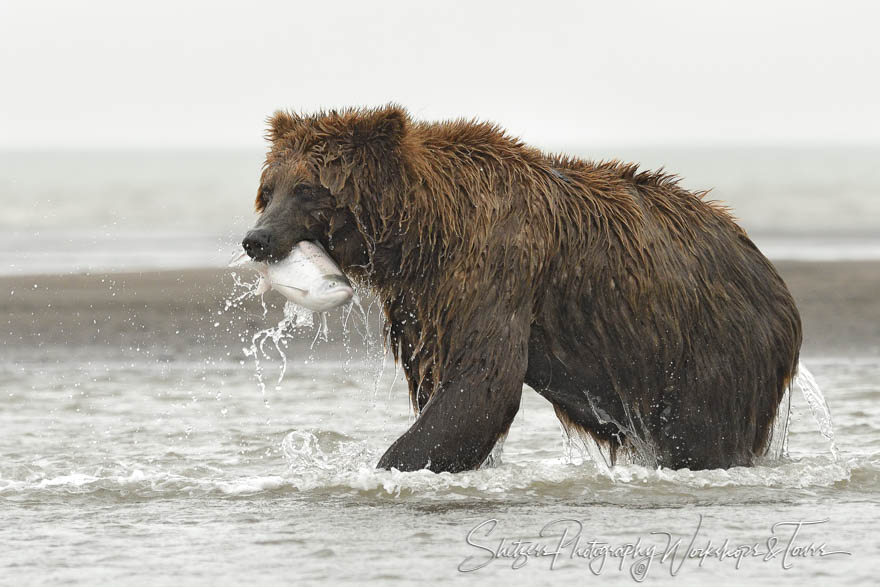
{"x":174,"y":314}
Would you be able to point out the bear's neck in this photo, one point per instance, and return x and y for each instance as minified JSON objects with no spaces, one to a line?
{"x":394,"y":249}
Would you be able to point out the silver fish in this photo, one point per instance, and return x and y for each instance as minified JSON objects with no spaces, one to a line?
{"x":307,"y":277}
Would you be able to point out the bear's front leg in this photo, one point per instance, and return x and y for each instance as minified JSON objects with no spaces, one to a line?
{"x":480,"y":385}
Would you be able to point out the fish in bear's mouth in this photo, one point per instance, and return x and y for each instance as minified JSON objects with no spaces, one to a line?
{"x":308,"y":276}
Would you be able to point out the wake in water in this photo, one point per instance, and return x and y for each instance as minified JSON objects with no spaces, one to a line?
{"x":330,"y":462}
{"x":325,"y":463}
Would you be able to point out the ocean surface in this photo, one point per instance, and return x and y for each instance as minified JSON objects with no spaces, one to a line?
{"x":140,"y":210}
{"x":241,"y":463}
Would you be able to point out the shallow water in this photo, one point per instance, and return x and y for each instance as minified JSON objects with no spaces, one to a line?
{"x":175,"y":472}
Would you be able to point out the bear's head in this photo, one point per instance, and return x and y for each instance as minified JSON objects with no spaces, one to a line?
{"x":330,"y":178}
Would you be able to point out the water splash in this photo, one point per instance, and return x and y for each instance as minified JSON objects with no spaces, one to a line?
{"x":302,"y":450}
{"x":295,"y":317}
{"x":272,"y":342}
{"x":818,"y":405}
{"x":777,"y":448}
{"x":635,"y":449}
{"x":494,"y":458}
{"x":329,"y":461}
{"x":317,"y":454}
{"x":362,"y":341}
{"x":577,"y":444}
{"x":248,"y":288}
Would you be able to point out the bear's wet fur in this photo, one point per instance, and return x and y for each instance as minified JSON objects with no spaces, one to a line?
{"x":640,"y":310}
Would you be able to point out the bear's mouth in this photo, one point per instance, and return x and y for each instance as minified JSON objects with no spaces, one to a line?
{"x":307,"y":276}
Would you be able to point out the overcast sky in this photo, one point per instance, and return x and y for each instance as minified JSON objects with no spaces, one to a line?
{"x":200,"y":74}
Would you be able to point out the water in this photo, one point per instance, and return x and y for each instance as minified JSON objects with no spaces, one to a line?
{"x":176,"y":473}
{"x":818,"y":406}
{"x":76,"y":211}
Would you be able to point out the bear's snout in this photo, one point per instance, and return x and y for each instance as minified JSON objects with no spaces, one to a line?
{"x":256,"y":244}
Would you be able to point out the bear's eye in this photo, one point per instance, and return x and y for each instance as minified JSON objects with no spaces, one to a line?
{"x":265,"y":195}
{"x":304,"y":190}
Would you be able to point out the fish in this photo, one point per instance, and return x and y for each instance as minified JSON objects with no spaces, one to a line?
{"x":308,"y":277}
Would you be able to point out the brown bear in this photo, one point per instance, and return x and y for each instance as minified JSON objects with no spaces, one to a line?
{"x":641,"y":311}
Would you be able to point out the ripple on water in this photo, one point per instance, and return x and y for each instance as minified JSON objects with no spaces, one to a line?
{"x":320,"y":464}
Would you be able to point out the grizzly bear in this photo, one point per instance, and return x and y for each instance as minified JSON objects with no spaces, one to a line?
{"x":640,"y":310}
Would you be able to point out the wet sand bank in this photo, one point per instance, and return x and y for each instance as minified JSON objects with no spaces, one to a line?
{"x":182,"y":313}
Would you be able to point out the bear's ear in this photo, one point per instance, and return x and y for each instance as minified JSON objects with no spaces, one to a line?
{"x":384,"y":126}
{"x":282,"y":123}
